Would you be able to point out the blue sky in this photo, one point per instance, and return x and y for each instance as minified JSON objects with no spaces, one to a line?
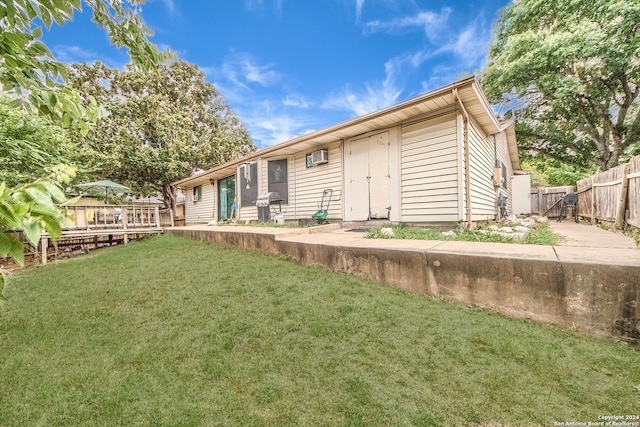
{"x":288,"y":67}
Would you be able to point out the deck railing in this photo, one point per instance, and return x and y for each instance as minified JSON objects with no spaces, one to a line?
{"x":79,"y":217}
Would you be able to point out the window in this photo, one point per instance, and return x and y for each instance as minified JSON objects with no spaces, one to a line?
{"x":248,"y":184}
{"x":278,"y":179}
{"x":197,"y":193}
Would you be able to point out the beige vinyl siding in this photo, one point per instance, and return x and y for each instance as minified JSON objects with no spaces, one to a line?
{"x":309,"y":182}
{"x":429,"y":165}
{"x":248,"y":213}
{"x":503,"y":156}
{"x":203,"y":210}
{"x":483,"y":194}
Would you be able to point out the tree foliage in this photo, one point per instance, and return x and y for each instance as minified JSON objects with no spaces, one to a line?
{"x":156,"y":127}
{"x":29,"y":145}
{"x":32,"y":78}
{"x":30,"y":73}
{"x":573,"y":70}
{"x":554,"y":173}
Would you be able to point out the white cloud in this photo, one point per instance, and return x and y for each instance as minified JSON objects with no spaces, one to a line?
{"x":296,"y":101}
{"x":268,"y":129}
{"x":243,"y":71}
{"x":359,"y":4}
{"x":255,"y":93}
{"x":252,"y":5}
{"x":431,"y":23}
{"x":374,"y":96}
{"x":261,"y":74}
{"x":470,"y":44}
{"x":70,"y":54}
{"x":459,"y":49}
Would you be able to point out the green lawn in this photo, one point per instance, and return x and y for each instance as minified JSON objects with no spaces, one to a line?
{"x":172,"y":332}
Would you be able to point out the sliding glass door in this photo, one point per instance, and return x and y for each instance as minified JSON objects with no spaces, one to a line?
{"x":226,"y":198}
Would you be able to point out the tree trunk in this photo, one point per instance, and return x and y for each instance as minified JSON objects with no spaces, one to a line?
{"x":169,"y":195}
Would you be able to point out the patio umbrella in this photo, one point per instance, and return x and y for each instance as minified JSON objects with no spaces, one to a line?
{"x":104,"y":184}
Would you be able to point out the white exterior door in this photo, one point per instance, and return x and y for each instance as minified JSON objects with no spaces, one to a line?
{"x":379,"y":201}
{"x":367,"y":178}
{"x":521,"y":194}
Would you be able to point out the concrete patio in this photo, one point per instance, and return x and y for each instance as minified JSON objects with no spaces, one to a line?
{"x":590,"y":282}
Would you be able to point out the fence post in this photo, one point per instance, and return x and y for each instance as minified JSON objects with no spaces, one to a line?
{"x":623,"y":197}
{"x":593,"y":198}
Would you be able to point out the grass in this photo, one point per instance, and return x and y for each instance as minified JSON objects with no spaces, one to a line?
{"x":170,"y":331}
{"x":634,"y":233}
{"x":540,"y":234}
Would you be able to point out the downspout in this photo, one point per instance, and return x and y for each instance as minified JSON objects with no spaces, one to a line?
{"x":467,"y":156}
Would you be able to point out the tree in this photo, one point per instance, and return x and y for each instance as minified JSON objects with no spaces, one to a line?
{"x":29,"y":145}
{"x":551,"y":172}
{"x":573,"y":70}
{"x":32,"y":78}
{"x":30,"y":73}
{"x":157,"y":127}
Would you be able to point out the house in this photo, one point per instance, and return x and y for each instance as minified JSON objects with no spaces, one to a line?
{"x":442,"y":157}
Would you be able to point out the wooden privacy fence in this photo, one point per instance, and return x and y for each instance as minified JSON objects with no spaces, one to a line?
{"x":544,"y":201}
{"x":612,"y":196}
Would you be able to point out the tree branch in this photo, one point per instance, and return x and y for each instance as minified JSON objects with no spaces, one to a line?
{"x":634,"y":132}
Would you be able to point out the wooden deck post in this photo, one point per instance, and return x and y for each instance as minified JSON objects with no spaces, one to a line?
{"x":156,"y":213}
{"x":125,"y":221}
{"x":44,"y":243}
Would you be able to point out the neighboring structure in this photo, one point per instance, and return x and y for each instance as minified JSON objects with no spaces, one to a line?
{"x":442,"y":157}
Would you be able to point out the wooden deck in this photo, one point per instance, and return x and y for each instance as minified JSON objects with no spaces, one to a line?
{"x":92,"y":227}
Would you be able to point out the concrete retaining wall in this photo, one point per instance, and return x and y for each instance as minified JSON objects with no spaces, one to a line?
{"x":599,"y":299}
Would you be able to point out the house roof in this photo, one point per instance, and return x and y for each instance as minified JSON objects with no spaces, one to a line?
{"x":510,"y":130}
{"x":468,"y":91}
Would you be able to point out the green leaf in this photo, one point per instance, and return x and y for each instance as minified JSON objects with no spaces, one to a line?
{"x":8,"y":217}
{"x":52,"y":227}
{"x":3,"y":276}
{"x":32,"y":231}
{"x":11,"y":246}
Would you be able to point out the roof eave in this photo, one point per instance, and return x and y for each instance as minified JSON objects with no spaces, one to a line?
{"x":353,"y":127}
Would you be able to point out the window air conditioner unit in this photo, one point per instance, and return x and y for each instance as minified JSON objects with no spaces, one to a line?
{"x":320,"y":157}
{"x":195,"y":197}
